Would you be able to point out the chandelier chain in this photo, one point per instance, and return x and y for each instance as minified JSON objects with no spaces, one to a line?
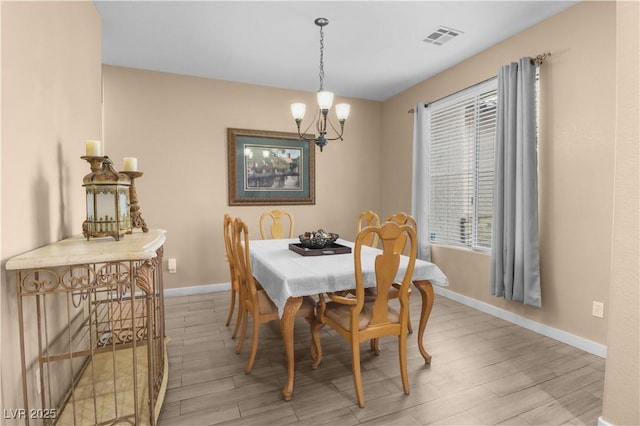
{"x":321,"y":74}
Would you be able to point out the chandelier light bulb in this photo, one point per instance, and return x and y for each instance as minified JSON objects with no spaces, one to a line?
{"x":342,"y":111}
{"x":325,"y":99}
{"x":298,"y":110}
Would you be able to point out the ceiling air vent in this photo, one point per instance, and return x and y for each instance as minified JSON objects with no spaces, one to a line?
{"x":442,"y":35}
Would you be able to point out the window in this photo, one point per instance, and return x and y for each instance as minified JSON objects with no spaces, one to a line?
{"x":461,"y":130}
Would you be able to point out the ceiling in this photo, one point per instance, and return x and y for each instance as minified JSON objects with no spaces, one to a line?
{"x":372,"y":49}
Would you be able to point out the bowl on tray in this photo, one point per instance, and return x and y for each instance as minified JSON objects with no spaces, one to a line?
{"x":318,"y":239}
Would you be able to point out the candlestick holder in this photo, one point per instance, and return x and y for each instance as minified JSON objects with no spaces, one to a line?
{"x":94,"y":162}
{"x":136,"y":217}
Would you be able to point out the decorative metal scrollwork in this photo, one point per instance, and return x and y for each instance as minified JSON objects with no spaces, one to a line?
{"x":78,"y":277}
{"x":141,"y":333}
{"x":113,"y":273}
{"x":39,"y":280}
{"x":123,"y":336}
{"x":144,"y":276}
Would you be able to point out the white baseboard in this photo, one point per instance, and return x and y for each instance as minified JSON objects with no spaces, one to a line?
{"x":603,"y":422}
{"x":198,"y":289}
{"x":554,"y":333}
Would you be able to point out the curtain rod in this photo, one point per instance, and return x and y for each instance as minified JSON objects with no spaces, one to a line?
{"x":426,"y":104}
{"x":538,"y":60}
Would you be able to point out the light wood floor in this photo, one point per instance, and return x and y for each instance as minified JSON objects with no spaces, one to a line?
{"x":484,"y":371}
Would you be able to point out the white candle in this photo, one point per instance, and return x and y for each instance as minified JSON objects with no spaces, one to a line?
{"x":94,"y":148}
{"x":130,"y":164}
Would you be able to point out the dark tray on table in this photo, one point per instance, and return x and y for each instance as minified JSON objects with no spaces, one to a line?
{"x":333,"y":248}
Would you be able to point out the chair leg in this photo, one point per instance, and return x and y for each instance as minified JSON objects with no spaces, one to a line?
{"x":316,"y":346}
{"x":243,"y":332}
{"x":254,"y":346}
{"x":409,"y":328}
{"x":402,"y":354}
{"x":239,"y":319}
{"x":231,"y":306}
{"x":375,"y":346}
{"x":357,"y":377}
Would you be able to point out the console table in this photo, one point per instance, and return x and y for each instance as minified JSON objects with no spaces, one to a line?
{"x":92,"y":336}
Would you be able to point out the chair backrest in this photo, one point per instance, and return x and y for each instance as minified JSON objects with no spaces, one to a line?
{"x":248,"y":288}
{"x":369,"y":218}
{"x":227,"y":233}
{"x":275,"y":227}
{"x":386,"y":268}
{"x":403,"y":219}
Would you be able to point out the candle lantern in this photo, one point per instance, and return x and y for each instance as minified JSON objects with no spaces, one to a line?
{"x":107,"y":203}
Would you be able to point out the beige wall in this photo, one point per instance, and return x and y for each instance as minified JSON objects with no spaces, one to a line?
{"x":51,"y":103}
{"x":177,"y":128}
{"x":621,"y":405}
{"x":575,"y":168}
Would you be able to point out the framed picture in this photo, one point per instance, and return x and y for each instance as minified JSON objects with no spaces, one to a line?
{"x":270,"y":168}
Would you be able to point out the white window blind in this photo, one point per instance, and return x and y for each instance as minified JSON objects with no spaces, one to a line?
{"x":461,"y":132}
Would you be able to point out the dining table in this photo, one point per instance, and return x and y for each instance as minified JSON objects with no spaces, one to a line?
{"x":287,"y":276}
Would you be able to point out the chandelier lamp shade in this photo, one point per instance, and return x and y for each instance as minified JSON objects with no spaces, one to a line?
{"x":325,"y":101}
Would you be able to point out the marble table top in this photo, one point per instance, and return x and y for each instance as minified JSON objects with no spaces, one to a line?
{"x":77,"y":250}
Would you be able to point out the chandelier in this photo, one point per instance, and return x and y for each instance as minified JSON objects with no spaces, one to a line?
{"x":325,"y":100}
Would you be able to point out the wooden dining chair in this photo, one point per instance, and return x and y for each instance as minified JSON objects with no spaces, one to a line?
{"x":235,"y":288}
{"x":369,"y":218}
{"x":402,"y":219}
{"x":271,"y":221}
{"x":255,"y":300}
{"x":357,"y":320}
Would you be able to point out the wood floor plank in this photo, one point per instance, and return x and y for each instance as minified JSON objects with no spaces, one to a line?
{"x":569,"y":382}
{"x":402,"y":418}
{"x":484,"y":371}
{"x":498,"y":410}
{"x":198,"y":389}
{"x":225,"y":397}
{"x":464,"y":418}
{"x":516,"y":382}
{"x":206,"y":416}
{"x":276,"y":416}
{"x":396,"y":402}
{"x":339,"y":416}
{"x":451,"y":404}
{"x":561,"y":410}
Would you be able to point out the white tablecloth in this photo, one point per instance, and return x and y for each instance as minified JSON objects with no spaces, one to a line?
{"x":284,"y":273}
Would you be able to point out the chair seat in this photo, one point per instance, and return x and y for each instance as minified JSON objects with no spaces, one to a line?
{"x":268,"y":307}
{"x":395,"y":291}
{"x":370,"y":293}
{"x":340,"y":314}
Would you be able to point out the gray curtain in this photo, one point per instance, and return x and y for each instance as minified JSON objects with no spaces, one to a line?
{"x":420,"y":180}
{"x":515,"y":259}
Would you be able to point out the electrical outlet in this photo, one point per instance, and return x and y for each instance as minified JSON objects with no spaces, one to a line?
{"x":172,"y":265}
{"x":598,"y":309}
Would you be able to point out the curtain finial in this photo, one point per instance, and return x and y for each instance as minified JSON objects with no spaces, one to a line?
{"x":538,"y":60}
